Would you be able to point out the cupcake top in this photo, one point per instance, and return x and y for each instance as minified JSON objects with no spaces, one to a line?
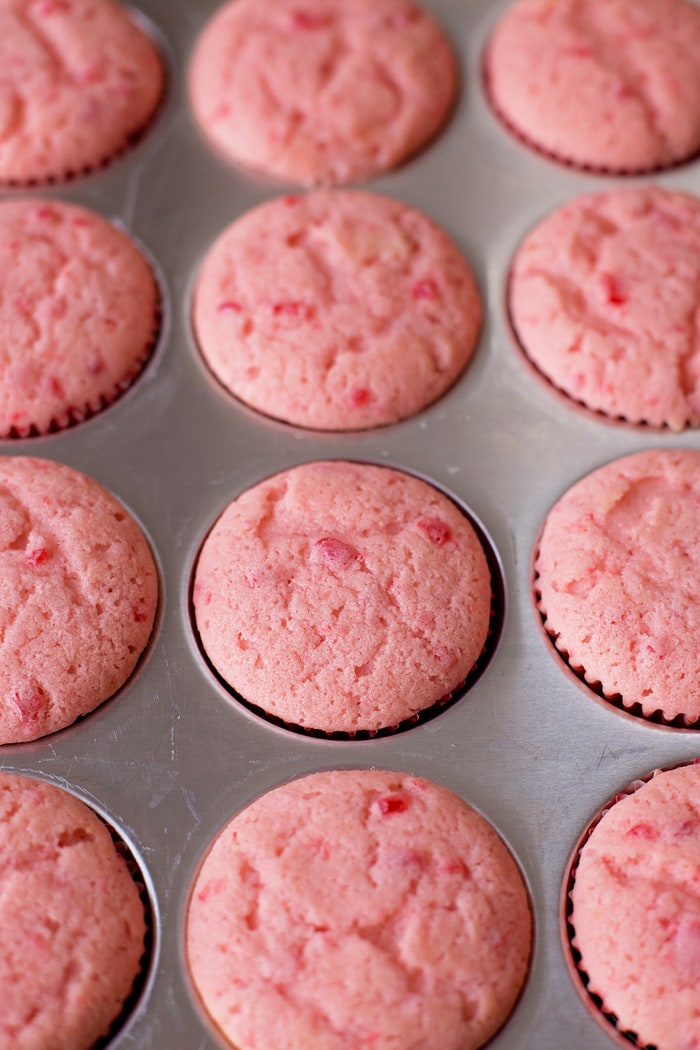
{"x":321,"y":91}
{"x":78,"y":315}
{"x":358,"y":908}
{"x":78,"y":596}
{"x":636,"y":910}
{"x":611,"y":86}
{"x":71,"y":920}
{"x":78,"y":81}
{"x":342,"y":597}
{"x":619,"y":585}
{"x":336,"y":310}
{"x":603,"y":296}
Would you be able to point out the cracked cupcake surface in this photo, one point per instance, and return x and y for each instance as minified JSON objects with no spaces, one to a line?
{"x":336,"y":310}
{"x":617,"y":581}
{"x":321,"y":91}
{"x":611,"y":85}
{"x":603,"y":298}
{"x":358,"y":908}
{"x":78,"y":590}
{"x":636,"y":910}
{"x":342,"y":596}
{"x":79,"y":315}
{"x":72,"y":922}
{"x":79,"y":80}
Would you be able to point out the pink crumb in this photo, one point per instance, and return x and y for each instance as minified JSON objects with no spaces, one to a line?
{"x":229,"y":306}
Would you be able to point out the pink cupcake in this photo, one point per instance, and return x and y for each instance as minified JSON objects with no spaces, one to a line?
{"x":78,"y":596}
{"x":340,"y":597}
{"x":602,"y":297}
{"x":358,"y":908}
{"x":631,"y":913}
{"x":79,"y":81}
{"x":72,"y":922}
{"x":321,"y":91}
{"x":336,"y":310}
{"x":80,"y":314}
{"x":617,"y":583}
{"x":610,"y":86}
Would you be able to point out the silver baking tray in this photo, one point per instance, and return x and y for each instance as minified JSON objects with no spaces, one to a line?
{"x":172,"y":756}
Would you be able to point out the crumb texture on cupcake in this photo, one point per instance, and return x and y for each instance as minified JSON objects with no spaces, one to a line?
{"x":613,"y":86}
{"x":619,"y":585}
{"x":636,"y":910}
{"x":359,"y":908}
{"x":321,"y":91}
{"x":603,"y":296}
{"x":342,"y":596}
{"x":78,"y":596}
{"x":78,"y":314}
{"x":336,"y":310}
{"x":78,"y":81}
{"x":71,"y":921}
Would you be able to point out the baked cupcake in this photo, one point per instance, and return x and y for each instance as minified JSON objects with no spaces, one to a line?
{"x":79,"y":81}
{"x":618,"y":587}
{"x":632,"y":913}
{"x":343,"y":597}
{"x":603,"y":295}
{"x":78,"y":596}
{"x":72,"y":924}
{"x":358,"y":908}
{"x":610,"y":86}
{"x":79,"y":315}
{"x":321,"y":91}
{"x":337,"y":310}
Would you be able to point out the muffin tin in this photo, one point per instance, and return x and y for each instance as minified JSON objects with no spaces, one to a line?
{"x":172,"y":756}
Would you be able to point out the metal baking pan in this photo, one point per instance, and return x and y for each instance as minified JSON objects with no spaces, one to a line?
{"x":172,"y":756}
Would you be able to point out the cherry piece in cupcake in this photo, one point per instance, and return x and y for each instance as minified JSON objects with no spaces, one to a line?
{"x":79,"y":81}
{"x":343,"y":597}
{"x":78,"y":590}
{"x":606,"y":85}
{"x":79,"y":315}
{"x":336,"y":310}
{"x":321,"y":91}
{"x":618,"y":586}
{"x":328,"y":916}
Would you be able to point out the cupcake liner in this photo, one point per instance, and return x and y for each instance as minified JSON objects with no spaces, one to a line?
{"x":595,"y":1006}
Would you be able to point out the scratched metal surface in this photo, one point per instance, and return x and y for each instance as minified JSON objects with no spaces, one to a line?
{"x":171,"y":757}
